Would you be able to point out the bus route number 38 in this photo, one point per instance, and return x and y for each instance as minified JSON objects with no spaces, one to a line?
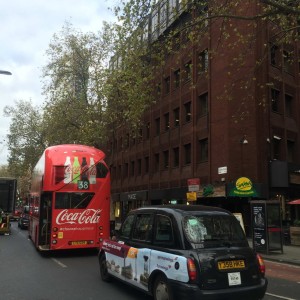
{"x":83,"y":185}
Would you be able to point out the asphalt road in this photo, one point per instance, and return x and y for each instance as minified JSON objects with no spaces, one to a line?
{"x":284,"y":281}
{"x":26,"y":274}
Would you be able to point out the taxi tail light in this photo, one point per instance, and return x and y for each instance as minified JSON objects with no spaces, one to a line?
{"x":192,"y":271}
{"x":261,"y":265}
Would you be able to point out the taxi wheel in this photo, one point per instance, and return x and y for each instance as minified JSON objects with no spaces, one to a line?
{"x":103,"y":269}
{"x":161,"y":289}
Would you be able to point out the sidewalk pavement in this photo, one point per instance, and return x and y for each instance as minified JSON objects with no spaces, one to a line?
{"x":290,"y":255}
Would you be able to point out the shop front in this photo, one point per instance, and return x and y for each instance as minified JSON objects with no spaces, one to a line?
{"x":240,"y":194}
{"x":123,"y":203}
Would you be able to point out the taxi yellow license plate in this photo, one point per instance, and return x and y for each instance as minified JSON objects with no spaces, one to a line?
{"x":231,"y":264}
{"x":79,"y":243}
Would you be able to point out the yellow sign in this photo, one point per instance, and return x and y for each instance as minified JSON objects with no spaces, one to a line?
{"x":60,"y":235}
{"x":243,"y":184}
{"x":191,"y":196}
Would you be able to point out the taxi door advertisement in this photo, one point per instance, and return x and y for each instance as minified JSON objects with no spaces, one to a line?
{"x":136,"y":265}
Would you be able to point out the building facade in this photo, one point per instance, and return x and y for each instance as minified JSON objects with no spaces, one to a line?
{"x":224,"y":128}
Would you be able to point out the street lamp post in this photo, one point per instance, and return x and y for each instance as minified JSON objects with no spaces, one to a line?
{"x":5,"y":72}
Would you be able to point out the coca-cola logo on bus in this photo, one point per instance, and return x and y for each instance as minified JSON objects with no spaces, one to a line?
{"x":88,"y":216}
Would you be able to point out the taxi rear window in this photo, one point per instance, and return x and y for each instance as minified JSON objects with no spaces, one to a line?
{"x":199,"y":229}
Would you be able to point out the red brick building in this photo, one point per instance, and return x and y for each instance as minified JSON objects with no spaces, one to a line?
{"x":220,"y":118}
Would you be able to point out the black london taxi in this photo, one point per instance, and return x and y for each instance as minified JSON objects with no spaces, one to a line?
{"x":184,"y":252}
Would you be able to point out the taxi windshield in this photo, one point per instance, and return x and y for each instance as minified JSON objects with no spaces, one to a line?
{"x":200,"y":229}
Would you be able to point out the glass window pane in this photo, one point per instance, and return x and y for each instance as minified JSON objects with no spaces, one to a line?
{"x":72,"y":200}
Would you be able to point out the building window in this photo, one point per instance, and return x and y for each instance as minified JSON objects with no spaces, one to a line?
{"x":167,"y":121}
{"x":140,"y":135}
{"x":290,"y":151}
{"x":119,"y":171}
{"x":132,"y":138}
{"x":126,"y":143}
{"x":157,"y":126}
{"x":276,"y":147}
{"x":166,"y":159}
{"x":148,"y":131}
{"x":288,"y":105}
{"x":287,"y":61}
{"x":155,"y":25}
{"x":176,"y":42}
{"x":147,"y":164}
{"x":203,"y":62}
{"x":202,"y":150}
{"x":188,"y":71}
{"x":274,"y":55}
{"x":125,"y":170}
{"x":163,"y":16}
{"x":172,"y":10}
{"x":187,"y":154}
{"x":202,"y":107}
{"x":156,"y":162}
{"x":167,"y":85}
{"x":139,"y":166}
{"x":176,"y":113}
{"x":187,"y":112}
{"x":176,"y":157}
{"x":275,"y":97}
{"x":177,"y":78}
{"x":158,"y":89}
{"x":120,"y":144}
{"x":132,"y":168}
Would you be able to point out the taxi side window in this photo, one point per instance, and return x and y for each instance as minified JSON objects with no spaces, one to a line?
{"x":143,"y":227}
{"x":127,"y":227}
{"x":164,"y":231}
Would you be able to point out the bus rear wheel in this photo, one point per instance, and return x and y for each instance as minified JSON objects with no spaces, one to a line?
{"x":103,"y":269}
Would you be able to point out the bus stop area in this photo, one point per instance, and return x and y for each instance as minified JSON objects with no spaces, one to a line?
{"x":289,"y":255}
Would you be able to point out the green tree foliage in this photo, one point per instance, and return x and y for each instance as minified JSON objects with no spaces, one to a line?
{"x":26,"y":140}
{"x":73,"y":87}
{"x":4,"y":172}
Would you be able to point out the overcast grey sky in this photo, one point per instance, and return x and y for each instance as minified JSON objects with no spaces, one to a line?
{"x":27,"y":26}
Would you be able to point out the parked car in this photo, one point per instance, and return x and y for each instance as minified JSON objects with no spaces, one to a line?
{"x":23,"y":221}
{"x":184,"y":252}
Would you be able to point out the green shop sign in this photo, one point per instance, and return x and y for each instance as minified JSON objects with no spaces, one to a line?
{"x":243,"y":188}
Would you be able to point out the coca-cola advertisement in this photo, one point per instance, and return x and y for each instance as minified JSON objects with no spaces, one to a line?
{"x":88,"y":216}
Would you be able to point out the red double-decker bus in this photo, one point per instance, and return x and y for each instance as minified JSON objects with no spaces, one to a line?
{"x":69,"y":204}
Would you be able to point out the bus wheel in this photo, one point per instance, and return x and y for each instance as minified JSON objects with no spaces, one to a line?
{"x":161,"y":288}
{"x":103,"y":269}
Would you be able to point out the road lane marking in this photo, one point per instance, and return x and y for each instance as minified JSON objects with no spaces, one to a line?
{"x":59,"y":263}
{"x":280,"y":297}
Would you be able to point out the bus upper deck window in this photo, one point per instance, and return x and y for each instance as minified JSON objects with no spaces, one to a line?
{"x":101,"y":170}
